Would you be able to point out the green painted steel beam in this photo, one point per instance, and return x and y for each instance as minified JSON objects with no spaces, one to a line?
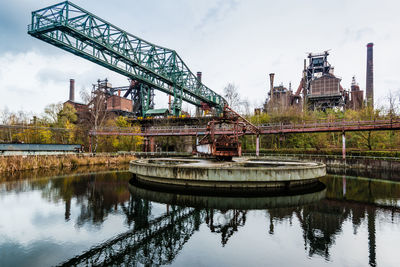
{"x":82,"y":33}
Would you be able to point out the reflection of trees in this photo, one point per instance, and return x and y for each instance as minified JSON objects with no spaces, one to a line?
{"x":364,"y":198}
{"x":321,"y":223}
{"x":351,"y":200}
{"x":97,"y":195}
{"x":225,"y":222}
{"x":279,"y":215}
{"x":363,"y":191}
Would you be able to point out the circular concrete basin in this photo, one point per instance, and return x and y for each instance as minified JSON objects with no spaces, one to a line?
{"x":241,"y":174}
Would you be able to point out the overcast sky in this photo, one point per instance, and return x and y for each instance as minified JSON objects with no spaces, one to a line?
{"x":228,"y":40}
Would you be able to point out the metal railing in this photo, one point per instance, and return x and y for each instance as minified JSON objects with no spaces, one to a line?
{"x":320,"y":156}
{"x":158,"y":153}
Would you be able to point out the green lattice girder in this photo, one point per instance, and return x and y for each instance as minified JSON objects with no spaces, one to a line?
{"x":76,"y":30}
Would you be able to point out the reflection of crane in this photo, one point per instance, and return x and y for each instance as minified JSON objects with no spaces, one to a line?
{"x":156,"y":244}
{"x":75,"y":30}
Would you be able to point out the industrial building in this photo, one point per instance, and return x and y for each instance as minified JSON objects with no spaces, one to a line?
{"x":79,"y":107}
{"x":356,"y":100}
{"x":108,"y":98}
{"x":320,"y":88}
{"x":281,"y":98}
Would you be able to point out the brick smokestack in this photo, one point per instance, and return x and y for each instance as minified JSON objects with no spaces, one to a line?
{"x":271,"y":80}
{"x":72,"y":90}
{"x":370,"y":75}
{"x":199,"y":76}
{"x":198,"y":111}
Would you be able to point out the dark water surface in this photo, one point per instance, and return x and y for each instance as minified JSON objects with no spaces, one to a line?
{"x":98,"y":219}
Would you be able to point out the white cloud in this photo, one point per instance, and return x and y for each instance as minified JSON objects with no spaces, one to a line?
{"x":240,"y":43}
{"x":31,"y":80}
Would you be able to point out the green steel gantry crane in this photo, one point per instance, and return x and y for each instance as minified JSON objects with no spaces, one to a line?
{"x":76,"y":30}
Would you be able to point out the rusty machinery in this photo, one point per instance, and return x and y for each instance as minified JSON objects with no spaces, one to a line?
{"x":222,"y":135}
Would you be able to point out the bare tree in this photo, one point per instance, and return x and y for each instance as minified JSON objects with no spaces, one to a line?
{"x":97,"y":113}
{"x":51,"y":112}
{"x":232,"y":96}
{"x":5,"y":115}
{"x":394,"y":103}
{"x":245,"y":106}
{"x":8,"y":117}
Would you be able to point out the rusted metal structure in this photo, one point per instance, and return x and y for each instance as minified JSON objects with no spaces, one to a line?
{"x":225,"y":145}
{"x":279,"y":128}
{"x":321,"y":88}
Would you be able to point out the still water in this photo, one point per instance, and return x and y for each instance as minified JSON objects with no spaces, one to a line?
{"x":99,"y":219}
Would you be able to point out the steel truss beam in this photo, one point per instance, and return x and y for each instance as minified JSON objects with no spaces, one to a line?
{"x":76,"y":30}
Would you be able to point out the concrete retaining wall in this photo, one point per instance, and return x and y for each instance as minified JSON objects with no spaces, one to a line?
{"x":364,"y":167}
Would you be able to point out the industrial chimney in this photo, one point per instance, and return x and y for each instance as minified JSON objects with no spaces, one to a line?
{"x":198,"y":111}
{"x":271,"y":79}
{"x":72,"y":90}
{"x":370,"y":76}
{"x":199,"y":76}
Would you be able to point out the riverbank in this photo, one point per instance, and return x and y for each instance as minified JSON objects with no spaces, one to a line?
{"x":11,"y":164}
{"x":43,"y":173}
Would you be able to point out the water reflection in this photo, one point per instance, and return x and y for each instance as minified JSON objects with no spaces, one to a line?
{"x":321,"y":218}
{"x":97,"y":195}
{"x":156,"y":242}
{"x":104,"y":223}
{"x":225,"y":222}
